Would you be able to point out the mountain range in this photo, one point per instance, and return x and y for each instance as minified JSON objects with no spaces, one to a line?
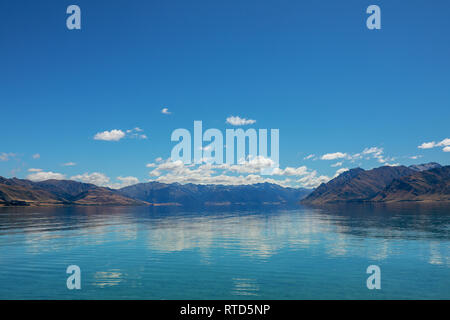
{"x":425,"y":182}
{"x":67,"y":192}
{"x":214,"y":195}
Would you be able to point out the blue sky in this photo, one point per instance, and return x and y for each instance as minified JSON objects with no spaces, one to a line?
{"x":311,"y":69}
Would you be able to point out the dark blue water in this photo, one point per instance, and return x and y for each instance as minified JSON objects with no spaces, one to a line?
{"x":302,"y":253}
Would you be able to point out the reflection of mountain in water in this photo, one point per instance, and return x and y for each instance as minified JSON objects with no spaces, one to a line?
{"x":341,"y":230}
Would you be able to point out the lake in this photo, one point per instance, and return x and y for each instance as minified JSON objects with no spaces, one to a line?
{"x":260,"y":253}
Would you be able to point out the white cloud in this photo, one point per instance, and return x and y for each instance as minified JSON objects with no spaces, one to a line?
{"x":113,"y":135}
{"x":309,"y":157}
{"x":69,"y":164}
{"x":444,"y":143}
{"x":374,"y":151}
{"x":124,"y":182}
{"x":238,"y":121}
{"x":136,"y":133}
{"x":334,"y":156}
{"x":337,"y":164}
{"x":102,"y":180}
{"x":128,"y":180}
{"x":313,"y":180}
{"x":116,"y":134}
{"x":253,"y":165}
{"x":245,"y":172}
{"x":42,"y":176}
{"x":289,"y":171}
{"x":34,"y":170}
{"x":446,"y":149}
{"x":165,"y":111}
{"x":6,"y":156}
{"x":429,"y":145}
{"x":341,"y":170}
{"x":96,"y":178}
{"x":36,"y":156}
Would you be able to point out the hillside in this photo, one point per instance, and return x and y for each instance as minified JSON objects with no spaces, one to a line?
{"x":58,"y":192}
{"x":425,"y":182}
{"x":429,"y":185}
{"x":356,"y":185}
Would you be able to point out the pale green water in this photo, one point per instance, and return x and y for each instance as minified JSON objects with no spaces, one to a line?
{"x":142,"y":253}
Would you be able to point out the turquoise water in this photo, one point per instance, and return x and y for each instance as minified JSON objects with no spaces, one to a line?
{"x":301,"y":253}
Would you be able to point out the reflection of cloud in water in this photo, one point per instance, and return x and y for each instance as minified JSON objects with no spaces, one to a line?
{"x":253,"y":235}
{"x":341,"y":234}
{"x":245,"y":287}
{"x":436,"y":255}
{"x":92,"y":232}
{"x":107,"y":278}
{"x":374,"y":233}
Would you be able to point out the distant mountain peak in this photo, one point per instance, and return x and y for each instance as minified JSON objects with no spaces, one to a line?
{"x":425,"y":166}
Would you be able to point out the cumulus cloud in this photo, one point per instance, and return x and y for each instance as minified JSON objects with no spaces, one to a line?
{"x":313,"y":180}
{"x":136,"y":133}
{"x":34,"y":170}
{"x":245,"y":172}
{"x":289,"y":171}
{"x":6,"y":156}
{"x":341,"y":170}
{"x":102,"y":180}
{"x":429,"y":145}
{"x":124,"y":182}
{"x":238,"y":121}
{"x":113,"y":135}
{"x":36,"y":156}
{"x":165,"y":111}
{"x":375,"y":153}
{"x":42,"y":175}
{"x":116,"y":134}
{"x":445,"y":143}
{"x":334,"y":156}
{"x":309,"y":157}
{"x":96,"y":178}
{"x":373,"y":150}
{"x":337,"y":164}
{"x":446,"y":149}
{"x":128,"y":181}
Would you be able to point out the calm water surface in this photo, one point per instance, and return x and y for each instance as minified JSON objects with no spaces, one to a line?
{"x":302,"y":253}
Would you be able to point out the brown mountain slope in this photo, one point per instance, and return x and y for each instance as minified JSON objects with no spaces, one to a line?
{"x":356,"y":185}
{"x":430,"y":185}
{"x":59,"y":192}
